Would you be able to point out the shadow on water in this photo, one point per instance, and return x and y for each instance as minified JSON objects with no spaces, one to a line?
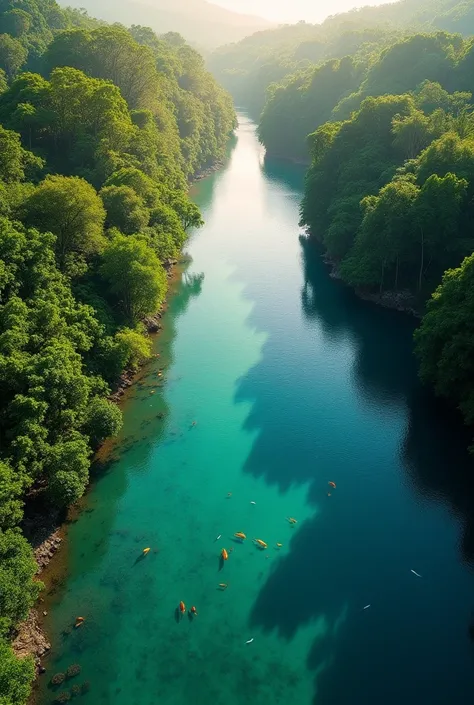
{"x":433,"y":455}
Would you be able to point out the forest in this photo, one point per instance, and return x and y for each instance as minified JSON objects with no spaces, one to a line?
{"x":378,"y":102}
{"x":101,"y":130}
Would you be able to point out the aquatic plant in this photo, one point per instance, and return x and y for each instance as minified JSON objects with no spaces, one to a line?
{"x":58,"y":678}
{"x":73,"y":670}
{"x":63,"y":697}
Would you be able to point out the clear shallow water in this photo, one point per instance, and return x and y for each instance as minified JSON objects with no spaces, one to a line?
{"x":293,"y":383}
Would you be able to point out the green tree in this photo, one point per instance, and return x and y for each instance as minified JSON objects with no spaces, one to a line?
{"x":12,"y":55}
{"x":67,"y":470}
{"x":102,"y":419}
{"x":70,"y":208}
{"x":125,"y":209}
{"x":437,"y":218}
{"x":15,"y":162}
{"x":18,"y":589}
{"x":16,"y":677}
{"x":134,"y":347}
{"x":135,"y":276}
{"x":16,"y":22}
{"x":11,"y":489}
{"x":445,"y":339}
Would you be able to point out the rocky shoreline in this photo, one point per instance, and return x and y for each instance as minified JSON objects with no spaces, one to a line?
{"x":402,"y":301}
{"x":30,"y":639}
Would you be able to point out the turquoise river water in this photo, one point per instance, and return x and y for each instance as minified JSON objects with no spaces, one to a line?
{"x":292,"y":383}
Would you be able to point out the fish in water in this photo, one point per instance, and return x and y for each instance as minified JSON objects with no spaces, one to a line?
{"x":240,"y":535}
{"x":252,"y":502}
{"x":223,"y":586}
{"x":182,"y":607}
{"x":260,"y":543}
{"x":292,"y":520}
{"x":332,"y":484}
{"x":415,"y":573}
{"x":224,"y":555}
{"x":146,"y":550}
{"x":217,"y":538}
{"x":249,"y":641}
{"x":366,"y":607}
{"x":194,"y":611}
{"x":279,"y":545}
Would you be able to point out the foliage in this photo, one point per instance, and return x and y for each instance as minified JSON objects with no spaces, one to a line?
{"x":12,"y":55}
{"x":102,"y":419}
{"x":69,"y":208}
{"x":135,"y":276}
{"x":445,"y":340}
{"x":18,"y":591}
{"x":16,"y":676}
{"x":134,"y":348}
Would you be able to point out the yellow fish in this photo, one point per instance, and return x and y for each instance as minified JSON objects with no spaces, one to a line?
{"x":260,"y":543}
{"x":240,"y":535}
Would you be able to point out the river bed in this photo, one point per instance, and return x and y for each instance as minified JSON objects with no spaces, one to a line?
{"x":273,"y":380}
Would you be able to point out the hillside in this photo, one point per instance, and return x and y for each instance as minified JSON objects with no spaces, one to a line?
{"x":200,"y":22}
{"x":249,"y":67}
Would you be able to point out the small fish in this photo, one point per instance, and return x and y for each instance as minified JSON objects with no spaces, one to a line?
{"x":194,"y":611}
{"x":217,"y":538}
{"x":229,"y":494}
{"x":252,"y":502}
{"x":146,"y":550}
{"x":332,"y":484}
{"x":80,"y":619}
{"x":240,"y":535}
{"x":366,"y":607}
{"x":292,"y":520}
{"x":249,"y":641}
{"x":415,"y":573}
{"x":260,"y":543}
{"x":223,"y":586}
{"x":279,"y":545}
{"x":224,"y":555}
{"x":182,"y":607}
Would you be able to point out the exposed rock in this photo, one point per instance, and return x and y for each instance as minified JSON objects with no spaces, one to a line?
{"x":46,"y":550}
{"x":152,"y":323}
{"x":397,"y":300}
{"x":31,"y":641}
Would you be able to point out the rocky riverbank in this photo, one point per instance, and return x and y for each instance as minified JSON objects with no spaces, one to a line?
{"x":402,"y":301}
{"x":30,"y":639}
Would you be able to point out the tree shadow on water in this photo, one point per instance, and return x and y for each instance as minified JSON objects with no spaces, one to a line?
{"x":310,"y":586}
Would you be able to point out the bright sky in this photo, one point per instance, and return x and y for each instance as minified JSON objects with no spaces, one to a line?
{"x":294,"y":10}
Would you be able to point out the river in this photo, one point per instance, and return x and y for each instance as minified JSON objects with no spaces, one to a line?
{"x":276,"y":380}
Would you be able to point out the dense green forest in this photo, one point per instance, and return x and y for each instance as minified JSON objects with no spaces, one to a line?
{"x":290,"y":53}
{"x":100,"y":131}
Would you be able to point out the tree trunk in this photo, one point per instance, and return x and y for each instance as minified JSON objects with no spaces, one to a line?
{"x":422,"y":260}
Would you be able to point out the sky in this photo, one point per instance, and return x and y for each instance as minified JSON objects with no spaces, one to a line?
{"x":294,"y":10}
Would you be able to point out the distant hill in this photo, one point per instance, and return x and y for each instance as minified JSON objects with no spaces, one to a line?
{"x":200,"y":22}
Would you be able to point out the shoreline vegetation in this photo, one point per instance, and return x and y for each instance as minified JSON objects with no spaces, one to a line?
{"x":102,"y":129}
